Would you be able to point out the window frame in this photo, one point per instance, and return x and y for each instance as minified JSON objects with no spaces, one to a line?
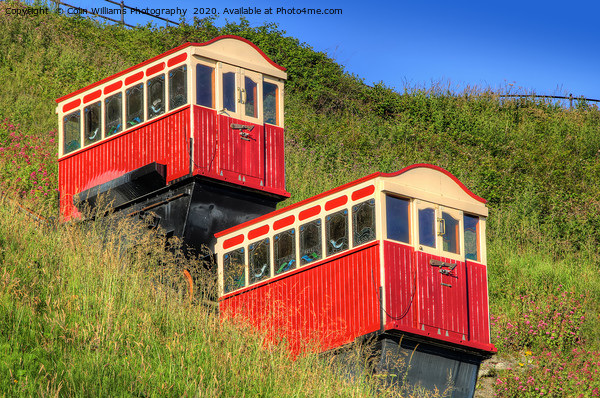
{"x":329,"y":217}
{"x":213,"y":66}
{"x":152,"y":80}
{"x":276,"y":259}
{"x":409,"y":215}
{"x":239,"y":92}
{"x":266,"y":272}
{"x":63,"y":136}
{"x":245,"y":270}
{"x":279,"y":101}
{"x":105,"y":100}
{"x":358,"y":206}
{"x":438,"y":250}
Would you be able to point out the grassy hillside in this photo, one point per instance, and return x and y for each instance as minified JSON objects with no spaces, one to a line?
{"x":536,"y":162}
{"x":84,"y":314}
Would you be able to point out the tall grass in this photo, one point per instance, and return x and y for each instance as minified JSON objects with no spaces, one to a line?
{"x":84,"y":313}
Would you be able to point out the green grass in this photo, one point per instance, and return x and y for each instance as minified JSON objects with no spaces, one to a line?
{"x":83,"y":314}
{"x":81,"y":319}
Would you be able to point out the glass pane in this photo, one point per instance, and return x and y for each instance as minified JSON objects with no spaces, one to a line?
{"x":135,"y":104}
{"x":113,"y":114}
{"x":234,"y":270}
{"x":270,"y":102}
{"x":363,"y":222}
{"x":427,"y":227}
{"x":450,"y":237}
{"x":250,"y":94}
{"x":178,"y":87}
{"x":92,"y":131}
{"x":310,"y":242}
{"x":204,"y":85}
{"x":156,"y":96}
{"x":72,"y":132}
{"x":397,"y":216}
{"x":259,"y":261}
{"x":229,"y":91}
{"x":336,"y":225}
{"x":285,"y":251}
{"x":471,"y":237}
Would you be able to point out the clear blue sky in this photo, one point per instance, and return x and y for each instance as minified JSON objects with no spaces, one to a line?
{"x":547,"y":47}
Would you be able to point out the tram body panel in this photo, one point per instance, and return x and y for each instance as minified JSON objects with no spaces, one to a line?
{"x":317,"y":307}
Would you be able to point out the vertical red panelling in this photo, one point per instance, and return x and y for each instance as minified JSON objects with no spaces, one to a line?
{"x":442,"y":308}
{"x":400,"y":286}
{"x":429,"y":292}
{"x":164,"y":140}
{"x":275,"y":157}
{"x":242,"y":150}
{"x":205,"y":140}
{"x":478,"y":302}
{"x":329,"y":305}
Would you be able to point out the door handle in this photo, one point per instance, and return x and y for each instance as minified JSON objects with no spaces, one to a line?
{"x":442,"y":229}
{"x":441,"y":264}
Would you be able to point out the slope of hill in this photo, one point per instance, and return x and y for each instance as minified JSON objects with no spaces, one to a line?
{"x":536,"y":162}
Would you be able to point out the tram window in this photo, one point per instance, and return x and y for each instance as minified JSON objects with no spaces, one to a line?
{"x":285,"y":251}
{"x":177,"y":87}
{"x":363,"y":219}
{"x":72,"y":132}
{"x":156,"y":96}
{"x":234,"y":270}
{"x":250,"y":97}
{"x":92,"y":122}
{"x":135,"y":104}
{"x":229,"y":91}
{"x":310,"y":242}
{"x":397,"y":216}
{"x":450,"y":234}
{"x":259,"y":261}
{"x":270,"y":103}
{"x":336,"y":227}
{"x":471,"y":237}
{"x":113,"y":106}
{"x":204,"y":85}
{"x":427,"y":227}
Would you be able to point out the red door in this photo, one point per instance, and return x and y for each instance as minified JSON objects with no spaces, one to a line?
{"x":241,"y":137}
{"x":441,"y":271}
{"x":242,"y":150}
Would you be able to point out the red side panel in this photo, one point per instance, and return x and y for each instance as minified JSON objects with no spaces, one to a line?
{"x":205,"y":141}
{"x":325,"y":305}
{"x":275,"y":167}
{"x":478,"y":302}
{"x":164,"y":140}
{"x":400,"y":285}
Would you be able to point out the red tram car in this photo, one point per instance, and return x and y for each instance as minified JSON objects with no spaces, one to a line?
{"x":399,"y":256}
{"x":195,"y":135}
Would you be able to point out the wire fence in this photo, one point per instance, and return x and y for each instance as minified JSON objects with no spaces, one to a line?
{"x":570,"y":97}
{"x":123,"y":12}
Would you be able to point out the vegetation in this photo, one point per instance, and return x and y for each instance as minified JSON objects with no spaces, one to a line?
{"x":82,"y":318}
